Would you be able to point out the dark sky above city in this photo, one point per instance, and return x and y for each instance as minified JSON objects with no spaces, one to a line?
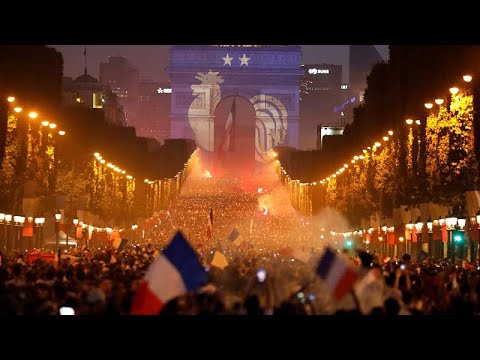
{"x":151,"y":60}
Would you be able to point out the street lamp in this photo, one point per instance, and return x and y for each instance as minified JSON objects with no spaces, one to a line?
{"x":109,"y":231}
{"x":454,"y":90}
{"x":37,"y":231}
{"x":391,"y":253}
{"x":430,"y":235}
{"x":135,"y":227}
{"x":58,"y":217}
{"x":16,"y":224}
{"x":18,"y":220}
{"x":451,"y":222}
{"x":472,"y":222}
{"x":2,"y":237}
{"x":419,"y":228}
{"x":21,"y":223}
{"x":442,"y":222}
{"x":401,"y":239}
{"x":29,"y":240}
{"x":409,"y":227}
{"x":478,"y":225}
{"x":8,"y":220}
{"x":75,"y":224}
{"x":384,"y":244}
{"x":462,"y":221}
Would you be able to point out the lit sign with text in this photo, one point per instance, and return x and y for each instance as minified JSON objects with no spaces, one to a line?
{"x":318,"y":71}
{"x":164,"y":91}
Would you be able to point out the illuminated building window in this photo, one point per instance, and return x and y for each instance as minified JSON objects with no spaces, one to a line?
{"x":97,"y":101}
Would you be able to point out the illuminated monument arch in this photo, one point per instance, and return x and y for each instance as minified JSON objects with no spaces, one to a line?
{"x":268,"y":77}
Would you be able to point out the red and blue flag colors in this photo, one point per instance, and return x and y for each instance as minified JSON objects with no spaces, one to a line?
{"x":176,"y":271}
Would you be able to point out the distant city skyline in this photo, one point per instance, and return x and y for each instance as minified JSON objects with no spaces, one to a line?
{"x":151,"y":60}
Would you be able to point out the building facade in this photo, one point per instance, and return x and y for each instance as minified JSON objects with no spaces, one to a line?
{"x":86,"y":91}
{"x":123,"y":79}
{"x":321,"y":98}
{"x":154,"y":110}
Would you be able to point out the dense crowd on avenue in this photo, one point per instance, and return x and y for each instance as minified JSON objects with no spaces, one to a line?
{"x":257,"y":278}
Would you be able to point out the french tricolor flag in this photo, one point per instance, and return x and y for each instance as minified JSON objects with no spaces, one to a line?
{"x":337,"y":272}
{"x":174,"y":272}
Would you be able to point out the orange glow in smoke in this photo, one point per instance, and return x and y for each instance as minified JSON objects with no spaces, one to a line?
{"x":265,"y":212}
{"x":207,"y":174}
{"x":260,"y":190}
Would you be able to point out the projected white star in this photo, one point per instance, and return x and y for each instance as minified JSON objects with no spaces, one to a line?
{"x":244,"y":60}
{"x":228,"y":60}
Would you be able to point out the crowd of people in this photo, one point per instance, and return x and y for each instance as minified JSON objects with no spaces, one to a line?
{"x":258,"y":280}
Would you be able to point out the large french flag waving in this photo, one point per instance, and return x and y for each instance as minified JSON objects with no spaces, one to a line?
{"x":174,"y":272}
{"x":338,"y":274}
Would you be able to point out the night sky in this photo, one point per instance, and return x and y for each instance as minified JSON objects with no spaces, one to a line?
{"x":151,"y":60}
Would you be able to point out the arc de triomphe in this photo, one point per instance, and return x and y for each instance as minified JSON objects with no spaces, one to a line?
{"x":267,"y":76}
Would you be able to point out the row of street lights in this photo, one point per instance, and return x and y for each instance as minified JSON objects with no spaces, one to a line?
{"x":33,"y":115}
{"x":8,"y":241}
{"x":453,"y":248}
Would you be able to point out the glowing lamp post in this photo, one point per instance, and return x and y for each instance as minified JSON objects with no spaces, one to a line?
{"x":409,"y":227}
{"x":2,"y":235}
{"x":8,"y":221}
{"x":19,"y":221}
{"x":478,"y":228}
{"x":430,"y":235}
{"x":384,"y":244}
{"x":454,"y":90}
{"x":39,"y":223}
{"x":441,"y":248}
{"x":75,"y":226}
{"x":58,"y":217}
{"x":391,"y":230}
{"x":451,"y":222}
{"x":419,"y":228}
{"x":461,"y":221}
{"x":401,"y":241}
{"x":109,"y":231}
{"x":134,"y":230}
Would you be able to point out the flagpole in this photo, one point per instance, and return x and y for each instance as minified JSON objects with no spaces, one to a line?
{"x":85,"y":58}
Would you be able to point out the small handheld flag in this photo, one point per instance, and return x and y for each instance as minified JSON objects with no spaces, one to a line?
{"x":236,"y":238}
{"x":219,"y":260}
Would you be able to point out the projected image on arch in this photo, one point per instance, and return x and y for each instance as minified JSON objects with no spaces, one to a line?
{"x":232,"y":102}
{"x":234,"y":133}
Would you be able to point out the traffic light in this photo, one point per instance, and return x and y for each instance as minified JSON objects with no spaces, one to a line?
{"x":458,"y":237}
{"x":348,"y":244}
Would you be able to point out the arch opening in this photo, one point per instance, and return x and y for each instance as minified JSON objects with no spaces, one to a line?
{"x":234,"y":136}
